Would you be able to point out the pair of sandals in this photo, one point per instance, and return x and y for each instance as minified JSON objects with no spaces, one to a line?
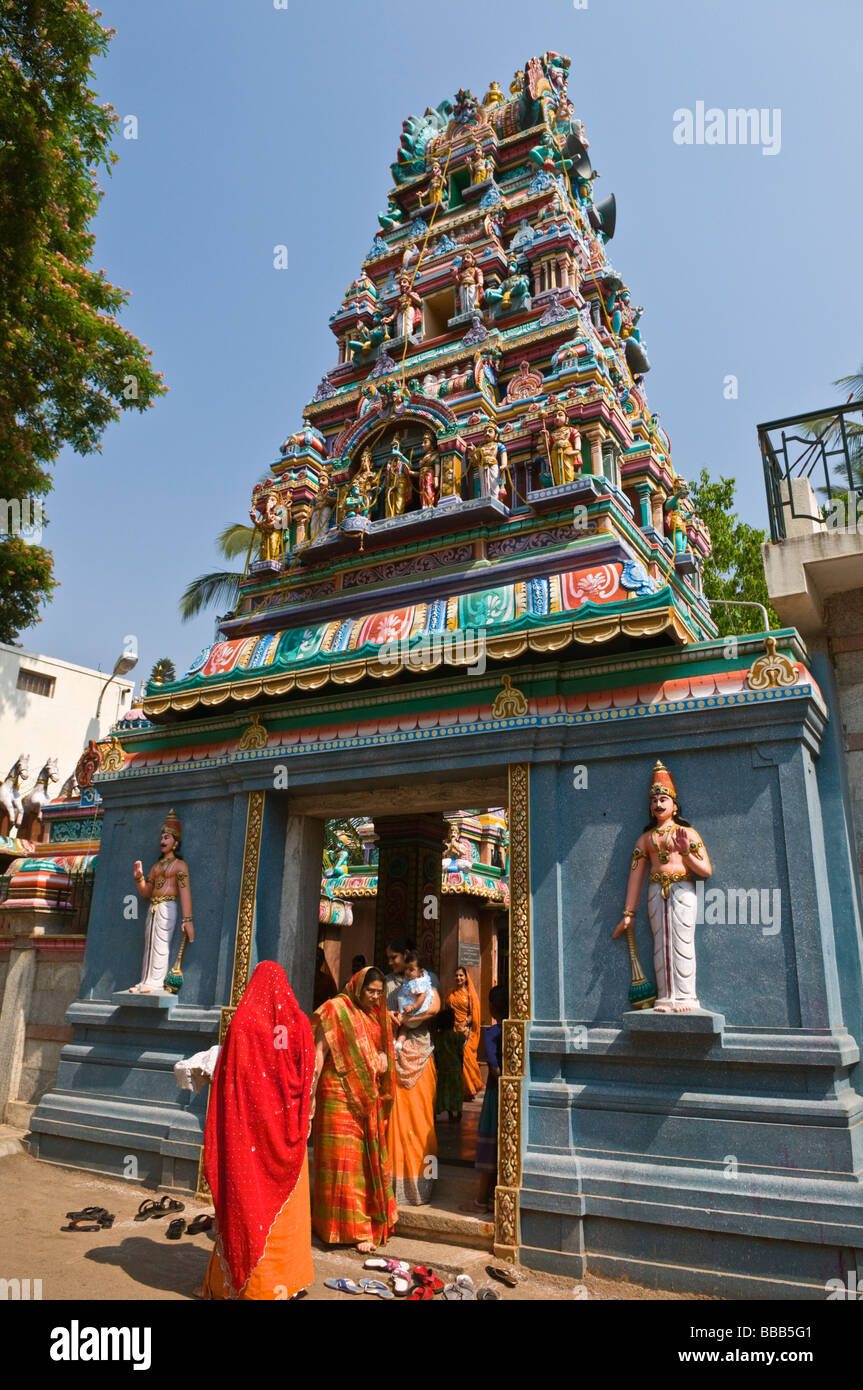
{"x":90,"y":1219}
{"x":373,"y":1286}
{"x":152,"y":1208}
{"x":202,"y":1222}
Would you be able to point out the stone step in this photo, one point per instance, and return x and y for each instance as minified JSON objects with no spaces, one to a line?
{"x":441,"y":1221}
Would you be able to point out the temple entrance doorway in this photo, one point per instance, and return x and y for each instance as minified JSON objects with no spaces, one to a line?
{"x":427,"y":865}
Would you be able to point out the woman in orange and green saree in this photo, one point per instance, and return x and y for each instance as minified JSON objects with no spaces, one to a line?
{"x":353,"y":1201}
{"x":464,"y":1002}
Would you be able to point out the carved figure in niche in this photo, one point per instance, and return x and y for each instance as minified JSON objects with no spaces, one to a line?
{"x":366,"y":341}
{"x":399,"y":488}
{"x":407,"y":313}
{"x":678,"y":510}
{"x":428,"y":470}
{"x":511,"y":291}
{"x":480,"y":166}
{"x":674,"y":852}
{"x":269,"y":518}
{"x":563,"y":447}
{"x":167,"y":881}
{"x":323,"y":506}
{"x":436,"y":183}
{"x":469,"y":280}
{"x":489,"y":462}
{"x":361,"y":490}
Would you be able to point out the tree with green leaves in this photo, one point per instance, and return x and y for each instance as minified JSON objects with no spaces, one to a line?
{"x":67,"y":367}
{"x":734,"y":569}
{"x":164,"y":671}
{"x":219,"y":588}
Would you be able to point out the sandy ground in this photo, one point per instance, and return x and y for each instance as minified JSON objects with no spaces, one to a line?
{"x":135,"y":1261}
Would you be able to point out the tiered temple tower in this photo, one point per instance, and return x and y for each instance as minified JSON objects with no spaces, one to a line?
{"x":481,"y":464}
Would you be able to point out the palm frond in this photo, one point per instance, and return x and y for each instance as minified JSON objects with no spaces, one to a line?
{"x":235,"y":540}
{"x":216,"y":590}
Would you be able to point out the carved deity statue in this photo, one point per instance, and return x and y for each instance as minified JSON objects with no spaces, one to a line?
{"x":488,"y":459}
{"x":436,"y":183}
{"x":480,"y":166}
{"x":675,"y":855}
{"x":167,"y":881}
{"x":511,"y":291}
{"x":469,"y":281}
{"x":398,"y":482}
{"x":361,"y":491}
{"x":322,"y":509}
{"x":428,"y":470}
{"x":563,"y":448}
{"x":269,"y":518}
{"x":407,"y":314}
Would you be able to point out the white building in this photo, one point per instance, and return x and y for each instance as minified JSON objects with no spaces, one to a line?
{"x":48,"y":709}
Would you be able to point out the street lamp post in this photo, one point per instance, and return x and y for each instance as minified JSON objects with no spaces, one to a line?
{"x":122,"y":665}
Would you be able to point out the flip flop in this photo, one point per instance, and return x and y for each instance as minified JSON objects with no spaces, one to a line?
{"x":427,"y":1276}
{"x":464,"y":1281}
{"x":88,"y":1214}
{"x":485,"y":1293}
{"x":342,"y":1285}
{"x":176,"y":1228}
{"x":147,"y":1209}
{"x":505,"y":1276}
{"x":401,"y":1286}
{"x":400,"y":1267}
{"x":78,"y":1226}
{"x":376,"y":1287}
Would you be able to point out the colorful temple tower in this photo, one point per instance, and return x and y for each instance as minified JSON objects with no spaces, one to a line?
{"x":476,"y":582}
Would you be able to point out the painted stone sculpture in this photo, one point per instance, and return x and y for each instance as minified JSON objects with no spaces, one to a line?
{"x":675,"y":854}
{"x":269,"y":519}
{"x":167,"y":881}
{"x":563,"y":448}
{"x":489,"y":462}
{"x":469,"y":280}
{"x":512,"y":291}
{"x":398,"y":482}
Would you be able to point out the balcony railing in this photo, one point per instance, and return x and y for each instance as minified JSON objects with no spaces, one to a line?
{"x":809,"y":457}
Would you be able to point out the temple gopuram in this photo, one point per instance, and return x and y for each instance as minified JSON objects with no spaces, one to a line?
{"x":471,"y":623}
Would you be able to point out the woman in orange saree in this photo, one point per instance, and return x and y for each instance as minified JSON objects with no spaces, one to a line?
{"x":255,"y":1142}
{"x":353,"y":1197}
{"x":411,"y":1136}
{"x":464,"y":1002}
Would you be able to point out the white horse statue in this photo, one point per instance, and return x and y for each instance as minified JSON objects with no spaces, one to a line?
{"x":36,"y":798}
{"x":11,"y":804}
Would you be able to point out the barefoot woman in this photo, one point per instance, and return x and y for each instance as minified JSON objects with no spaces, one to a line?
{"x":351,"y":1102}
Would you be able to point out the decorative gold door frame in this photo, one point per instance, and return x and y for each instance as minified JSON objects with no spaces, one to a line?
{"x":243,"y":938}
{"x":506,"y":1219}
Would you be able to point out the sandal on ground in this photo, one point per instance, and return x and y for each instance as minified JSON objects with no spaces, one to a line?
{"x":169,"y":1204}
{"x":176,"y":1228}
{"x":505,"y":1276}
{"x":420,"y":1293}
{"x":342,"y":1285}
{"x":203,"y":1222}
{"x":376,"y":1287}
{"x":81,"y":1226}
{"x":88,"y":1214}
{"x":401,"y":1285}
{"x":427,"y":1278}
{"x":485,"y":1293}
{"x":147,"y":1209}
{"x":389,"y":1266}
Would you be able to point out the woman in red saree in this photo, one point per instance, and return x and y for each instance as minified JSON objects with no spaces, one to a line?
{"x":464,"y":1002}
{"x":255,"y":1157}
{"x":353,"y":1196}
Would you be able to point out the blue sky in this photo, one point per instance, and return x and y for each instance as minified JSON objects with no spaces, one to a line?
{"x":260,"y":126}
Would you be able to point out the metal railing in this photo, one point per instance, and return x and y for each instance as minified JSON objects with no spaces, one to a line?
{"x":824,"y":447}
